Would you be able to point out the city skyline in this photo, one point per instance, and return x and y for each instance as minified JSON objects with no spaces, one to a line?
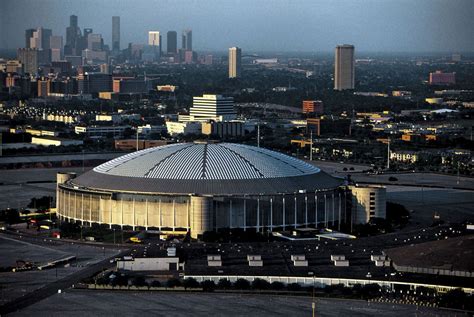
{"x":434,"y":26}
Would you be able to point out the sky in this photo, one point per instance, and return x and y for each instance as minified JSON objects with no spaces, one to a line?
{"x":259,"y":25}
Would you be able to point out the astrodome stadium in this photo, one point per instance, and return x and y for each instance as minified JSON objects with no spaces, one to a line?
{"x":198,"y":187}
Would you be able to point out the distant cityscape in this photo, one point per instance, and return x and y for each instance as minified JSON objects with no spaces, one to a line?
{"x":148,"y":167}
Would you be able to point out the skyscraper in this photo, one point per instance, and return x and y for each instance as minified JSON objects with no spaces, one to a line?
{"x":56,"y":45}
{"x":344,"y":70}
{"x":115,"y":33}
{"x":28,"y":36}
{"x":172,"y":42}
{"x":235,"y":56}
{"x":154,"y":38}
{"x":73,"y":34}
{"x":187,"y":40}
{"x":40,"y":39}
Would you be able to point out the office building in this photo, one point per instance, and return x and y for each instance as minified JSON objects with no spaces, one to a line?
{"x":440,"y":78}
{"x":95,"y":42}
{"x":227,"y":129}
{"x":172,"y":42}
{"x":93,"y":83}
{"x":313,"y":107}
{"x":115,"y":33}
{"x":235,"y":61}
{"x":56,"y":44}
{"x":154,"y":38}
{"x":41,"y":38}
{"x":32,"y":58}
{"x":344,"y":69}
{"x":200,"y":187}
{"x":73,"y":35}
{"x":212,"y":107}
{"x":187,"y":40}
{"x":28,"y":36}
{"x":154,"y":46}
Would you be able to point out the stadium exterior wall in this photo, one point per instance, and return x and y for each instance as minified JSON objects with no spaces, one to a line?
{"x":199,"y":214}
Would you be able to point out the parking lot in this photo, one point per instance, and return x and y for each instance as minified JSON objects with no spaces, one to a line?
{"x":118,"y":303}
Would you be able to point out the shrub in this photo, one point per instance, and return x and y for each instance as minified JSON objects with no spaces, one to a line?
{"x":242,"y":284}
{"x":224,"y":283}
{"x":173,"y":282}
{"x":260,"y":284}
{"x":208,"y":286}
{"x":190,"y":283}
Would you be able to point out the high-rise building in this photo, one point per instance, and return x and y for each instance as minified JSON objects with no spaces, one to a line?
{"x":115,"y":33}
{"x":73,"y":34}
{"x":187,"y":40}
{"x":56,"y":44}
{"x":90,"y":83}
{"x":172,"y":42}
{"x":31,"y":58}
{"x":235,"y":57}
{"x":344,"y":69}
{"x":28,"y":36}
{"x":212,"y":107}
{"x":94,"y":42}
{"x":154,"y":38}
{"x":40,"y":39}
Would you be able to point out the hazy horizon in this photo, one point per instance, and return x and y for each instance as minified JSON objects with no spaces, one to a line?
{"x":279,"y":25}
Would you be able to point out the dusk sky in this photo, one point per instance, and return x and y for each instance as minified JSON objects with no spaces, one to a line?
{"x":259,"y":25}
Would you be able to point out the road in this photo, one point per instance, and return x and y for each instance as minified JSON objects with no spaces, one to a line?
{"x":52,"y":288}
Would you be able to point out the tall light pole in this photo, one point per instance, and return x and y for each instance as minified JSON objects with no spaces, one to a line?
{"x":388,"y":154}
{"x":258,"y":134}
{"x":311,"y":146}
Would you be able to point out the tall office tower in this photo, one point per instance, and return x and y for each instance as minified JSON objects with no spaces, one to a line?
{"x":116,"y":33}
{"x":28,"y":36}
{"x":29,"y":58}
{"x":235,"y":61}
{"x":73,"y":34}
{"x":154,"y":38}
{"x":212,"y":107}
{"x":187,"y":40}
{"x":40,"y":39}
{"x":344,"y":69}
{"x":154,"y":46}
{"x":56,"y":44}
{"x":94,"y":42}
{"x":172,"y":42}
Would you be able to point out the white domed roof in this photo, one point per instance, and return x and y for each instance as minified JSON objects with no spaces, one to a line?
{"x":202,"y":161}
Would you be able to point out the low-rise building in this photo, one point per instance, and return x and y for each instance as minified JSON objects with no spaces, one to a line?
{"x":100,"y":131}
{"x":54,"y":141}
{"x":190,"y":127}
{"x":404,"y":156}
